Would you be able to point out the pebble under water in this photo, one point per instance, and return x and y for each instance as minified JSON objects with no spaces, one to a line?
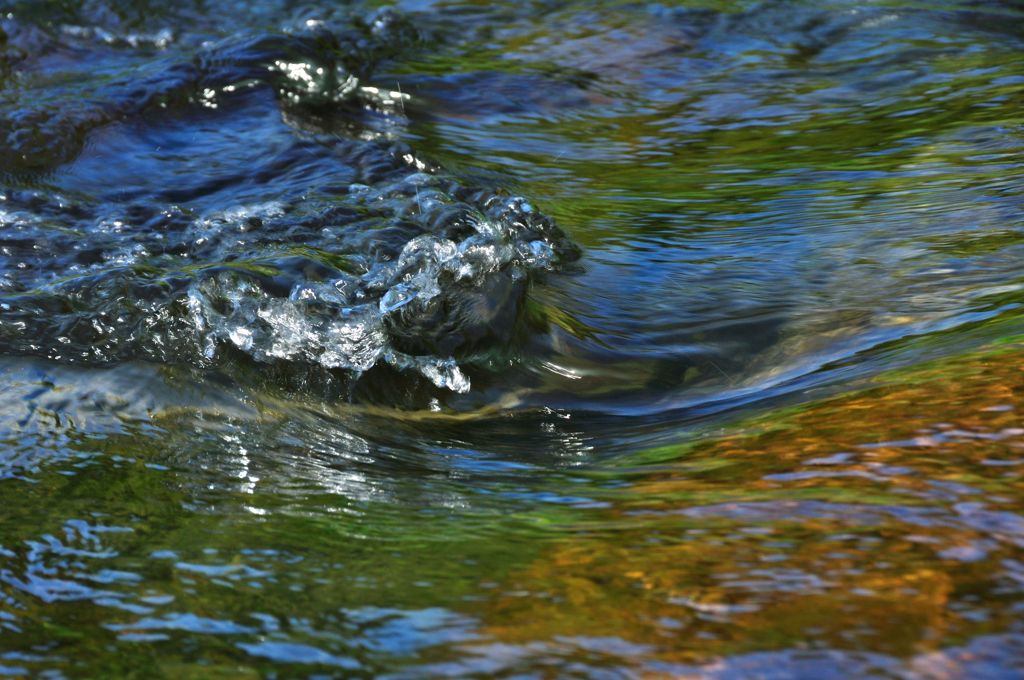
{"x":582,"y":339}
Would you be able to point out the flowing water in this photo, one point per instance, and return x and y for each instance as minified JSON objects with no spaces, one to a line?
{"x":534,"y":339}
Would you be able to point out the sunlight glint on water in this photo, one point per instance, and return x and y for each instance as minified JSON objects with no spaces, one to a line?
{"x":452,"y":338}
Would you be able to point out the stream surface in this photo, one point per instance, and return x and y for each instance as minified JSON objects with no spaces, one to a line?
{"x":533,"y":339}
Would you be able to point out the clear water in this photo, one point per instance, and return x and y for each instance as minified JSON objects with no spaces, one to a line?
{"x":454,"y":338}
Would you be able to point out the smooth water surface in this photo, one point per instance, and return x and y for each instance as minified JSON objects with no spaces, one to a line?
{"x":582,"y":339}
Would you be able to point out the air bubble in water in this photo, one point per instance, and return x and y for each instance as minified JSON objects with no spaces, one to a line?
{"x":395,"y":298}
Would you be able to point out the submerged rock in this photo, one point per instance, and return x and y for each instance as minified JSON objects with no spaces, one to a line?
{"x":340,"y":249}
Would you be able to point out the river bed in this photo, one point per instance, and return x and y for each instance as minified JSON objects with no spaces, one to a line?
{"x":533,"y":339}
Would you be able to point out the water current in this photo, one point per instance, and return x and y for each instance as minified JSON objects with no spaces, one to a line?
{"x":536,"y":339}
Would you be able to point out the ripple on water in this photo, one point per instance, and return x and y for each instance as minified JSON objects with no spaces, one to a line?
{"x":363,"y":255}
{"x":294,"y":383}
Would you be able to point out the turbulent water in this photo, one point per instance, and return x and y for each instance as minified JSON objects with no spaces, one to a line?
{"x":598,"y":339}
